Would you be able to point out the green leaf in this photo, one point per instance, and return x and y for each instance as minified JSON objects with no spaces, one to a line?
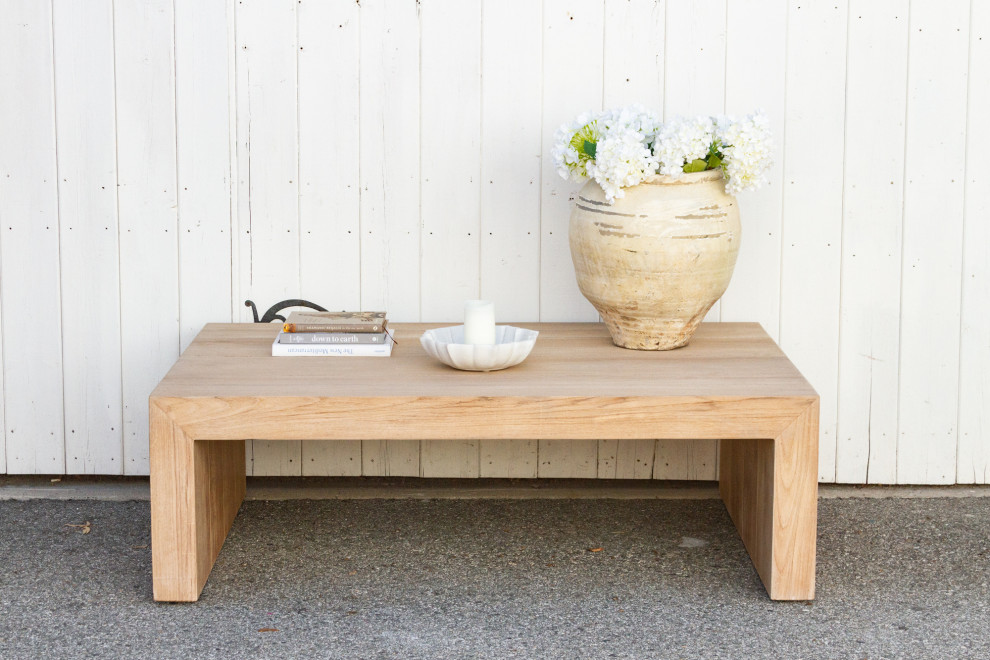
{"x":696,"y":165}
{"x":714,"y":149}
{"x":714,"y":162}
{"x":585,"y":141}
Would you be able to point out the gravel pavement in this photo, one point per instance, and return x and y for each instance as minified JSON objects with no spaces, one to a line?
{"x":897,"y":578}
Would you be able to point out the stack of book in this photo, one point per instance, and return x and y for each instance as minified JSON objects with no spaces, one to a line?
{"x":334,"y":334}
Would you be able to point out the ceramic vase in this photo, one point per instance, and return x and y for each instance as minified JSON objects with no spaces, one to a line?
{"x":654,"y":262}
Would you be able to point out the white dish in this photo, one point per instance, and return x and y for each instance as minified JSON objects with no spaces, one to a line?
{"x":511,"y":347}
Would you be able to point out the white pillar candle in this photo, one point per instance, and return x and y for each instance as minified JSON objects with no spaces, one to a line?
{"x":479,"y":322}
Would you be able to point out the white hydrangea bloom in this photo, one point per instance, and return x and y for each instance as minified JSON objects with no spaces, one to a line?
{"x":567,"y":160}
{"x":682,"y":140}
{"x":623,"y":159}
{"x":633,"y":117}
{"x":746,"y":145}
{"x":620,"y":147}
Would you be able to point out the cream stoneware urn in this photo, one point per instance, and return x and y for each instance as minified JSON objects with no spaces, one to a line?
{"x":655,"y":262}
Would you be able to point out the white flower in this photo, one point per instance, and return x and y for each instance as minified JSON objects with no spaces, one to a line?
{"x":633,"y":117}
{"x":746,"y":145}
{"x":569,"y":157}
{"x":620,"y":147}
{"x":622,"y":159}
{"x":575,"y":143}
{"x":681,"y":141}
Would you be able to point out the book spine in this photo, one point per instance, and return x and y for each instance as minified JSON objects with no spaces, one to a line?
{"x":332,"y":327}
{"x":355,"y":350}
{"x":331,"y":338}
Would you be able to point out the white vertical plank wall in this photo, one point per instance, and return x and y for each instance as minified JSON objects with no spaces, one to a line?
{"x":3,"y":421}
{"x":203,"y":135}
{"x":162,"y":161}
{"x":931,"y":267}
{"x":146,"y":202}
{"x":756,"y":34}
{"x":86,"y":147}
{"x":32,"y":419}
{"x":511,"y":103}
{"x":390,"y":188}
{"x":973,"y":459}
{"x":450,"y":184}
{"x":204,"y":140}
{"x":573,"y":81}
{"x":811,"y":235}
{"x":329,"y":184}
{"x":573,"y":77}
{"x":267,"y":123}
{"x":755,"y":76}
{"x":872,"y":209}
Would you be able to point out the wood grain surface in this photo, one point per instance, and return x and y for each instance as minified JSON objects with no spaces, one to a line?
{"x":196,"y":489}
{"x":571,"y":360}
{"x":731,"y":384}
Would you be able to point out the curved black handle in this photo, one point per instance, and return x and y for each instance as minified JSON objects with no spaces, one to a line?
{"x":273,"y":311}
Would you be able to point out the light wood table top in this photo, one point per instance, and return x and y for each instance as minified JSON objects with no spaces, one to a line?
{"x":569,"y":360}
{"x":731,"y":383}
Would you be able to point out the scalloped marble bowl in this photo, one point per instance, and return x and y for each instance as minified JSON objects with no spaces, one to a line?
{"x":511,"y":347}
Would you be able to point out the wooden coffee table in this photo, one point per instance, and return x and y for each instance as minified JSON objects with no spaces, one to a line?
{"x":731,"y":383}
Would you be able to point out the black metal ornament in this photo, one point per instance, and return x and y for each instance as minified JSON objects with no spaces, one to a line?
{"x":273,"y":311}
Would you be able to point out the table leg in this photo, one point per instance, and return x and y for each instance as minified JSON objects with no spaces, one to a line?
{"x":197,"y":487}
{"x":770,"y":488}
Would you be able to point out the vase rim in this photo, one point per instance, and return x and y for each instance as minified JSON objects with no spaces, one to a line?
{"x":684,"y":179}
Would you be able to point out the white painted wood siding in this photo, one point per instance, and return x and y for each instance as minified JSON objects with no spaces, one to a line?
{"x":161,"y":162}
{"x":146,"y":201}
{"x":30,"y":272}
{"x":89,"y":236}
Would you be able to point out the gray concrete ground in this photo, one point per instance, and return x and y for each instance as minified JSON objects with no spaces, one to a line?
{"x":497,"y":578}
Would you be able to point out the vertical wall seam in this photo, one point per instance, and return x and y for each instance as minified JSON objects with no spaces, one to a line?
{"x":419,"y":142}
{"x":725,"y":68}
{"x":3,"y":377}
{"x":3,"y":373}
{"x":604,"y":50}
{"x":178,"y":188}
{"x":842,"y":237}
{"x":175,"y":183}
{"x":543,"y":122}
{"x":299,"y":228}
{"x":783,"y":181}
{"x":663,"y":117}
{"x":597,"y":444}
{"x":116,"y":198}
{"x":360,"y":180}
{"x":250,"y":182}
{"x":666,"y":41}
{"x":900,"y":301}
{"x":3,"y":370}
{"x":233,"y":163}
{"x":58,"y":228}
{"x":481,"y":153}
{"x":725,"y":95}
{"x":962,"y":242}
